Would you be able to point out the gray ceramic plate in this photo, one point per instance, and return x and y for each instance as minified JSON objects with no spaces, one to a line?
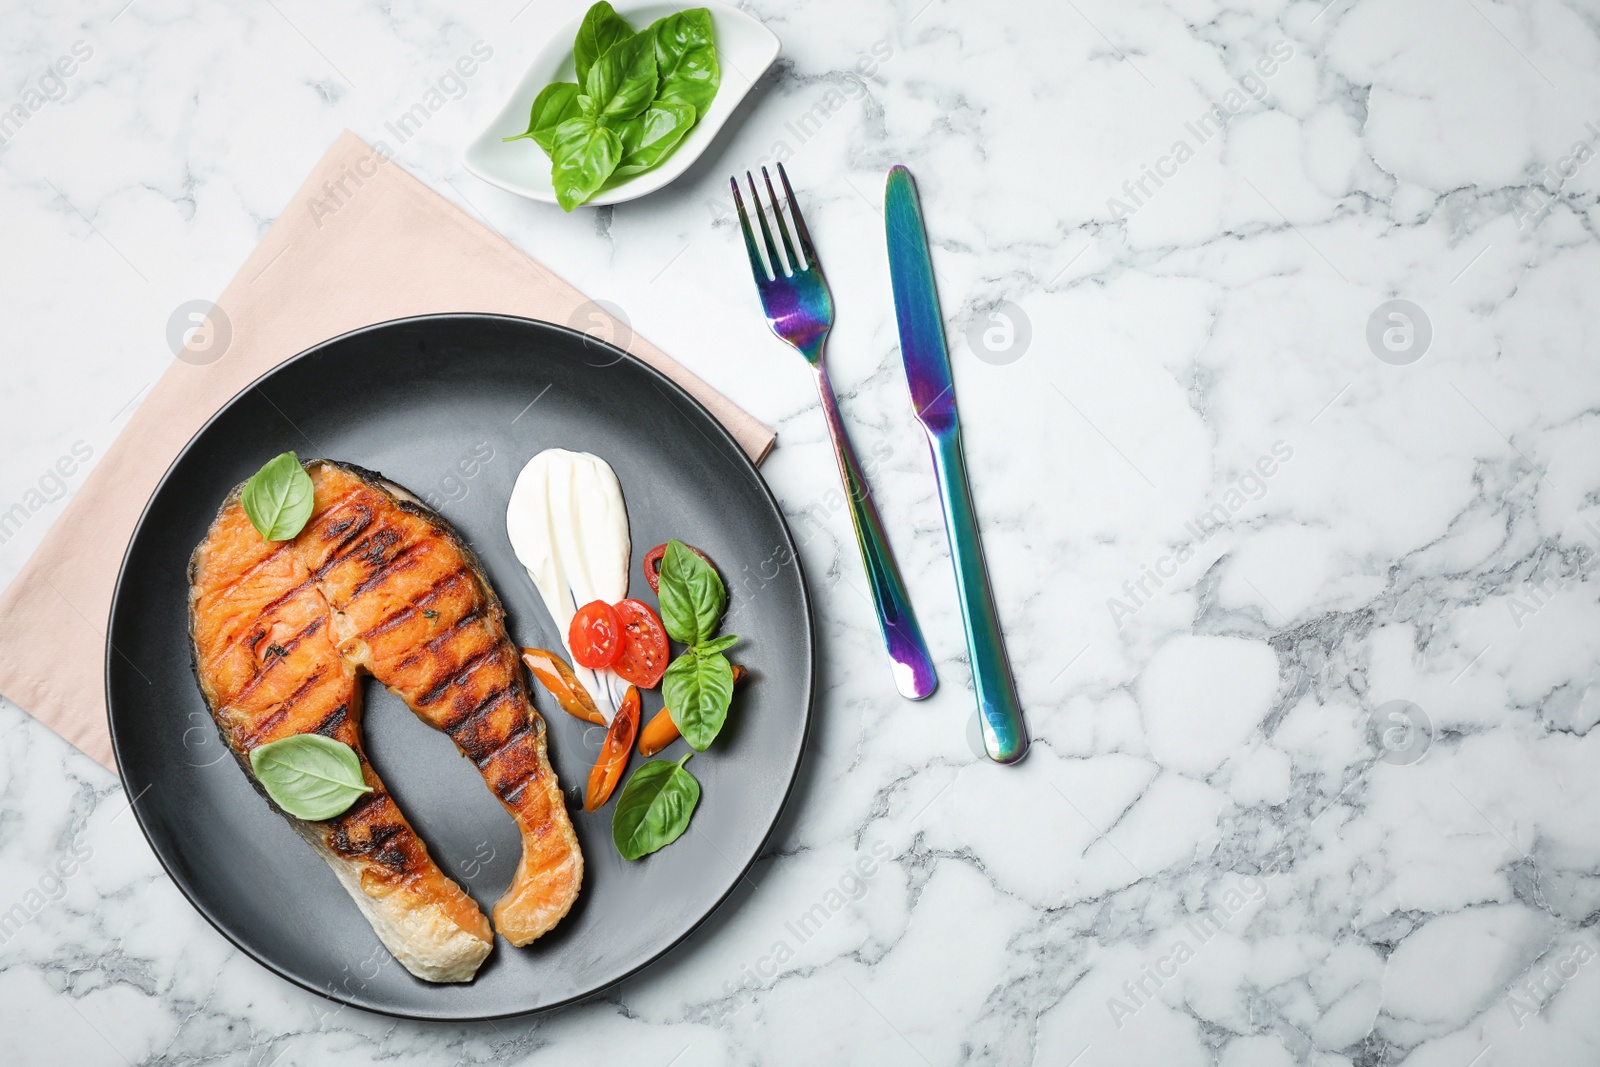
{"x":424,"y":401}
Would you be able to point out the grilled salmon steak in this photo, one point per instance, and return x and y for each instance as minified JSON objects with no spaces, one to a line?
{"x":378,"y":582}
{"x":269,"y":668}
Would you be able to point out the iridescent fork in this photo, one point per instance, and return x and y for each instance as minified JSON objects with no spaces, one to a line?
{"x":800,"y":311}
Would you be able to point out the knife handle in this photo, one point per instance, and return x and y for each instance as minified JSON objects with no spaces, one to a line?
{"x":1005,"y":737}
{"x":908,"y":652}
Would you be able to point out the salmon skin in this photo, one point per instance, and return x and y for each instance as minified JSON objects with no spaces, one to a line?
{"x":378,"y":582}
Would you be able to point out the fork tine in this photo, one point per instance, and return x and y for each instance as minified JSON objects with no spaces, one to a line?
{"x":756,"y":265}
{"x":766,"y":234}
{"x":783,"y":227}
{"x":799,"y":222}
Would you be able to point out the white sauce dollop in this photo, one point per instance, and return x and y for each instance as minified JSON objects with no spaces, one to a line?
{"x":569,"y":527}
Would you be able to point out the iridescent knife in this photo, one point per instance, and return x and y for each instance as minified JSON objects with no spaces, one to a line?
{"x":916,"y":306}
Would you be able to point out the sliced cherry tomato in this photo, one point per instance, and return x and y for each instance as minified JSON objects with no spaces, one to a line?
{"x":661,"y":731}
{"x":644,"y":645}
{"x":652,"y":564}
{"x":554,"y":674}
{"x":595,"y":635}
{"x":614,"y":753}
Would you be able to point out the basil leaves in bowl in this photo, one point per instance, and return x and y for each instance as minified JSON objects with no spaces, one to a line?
{"x":621,"y":101}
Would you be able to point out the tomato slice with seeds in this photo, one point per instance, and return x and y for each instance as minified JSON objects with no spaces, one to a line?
{"x":644,"y":646}
{"x":652,"y":564}
{"x":595,"y":635}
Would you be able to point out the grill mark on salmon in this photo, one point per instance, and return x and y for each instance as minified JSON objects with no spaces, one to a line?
{"x":242,"y":591}
{"x":271,"y":659}
{"x":290,"y":595}
{"x":455,"y":723}
{"x":393,"y":622}
{"x":260,"y":634}
{"x":432,"y":696}
{"x":334,"y":719}
{"x":393,"y":568}
{"x":372,"y":540}
{"x":444,"y":582}
{"x":343,"y":533}
{"x":405,"y":613}
{"x":283,"y":546}
{"x":459,"y":726}
{"x":505,"y":743}
{"x":472,"y":616}
{"x":255,"y":735}
{"x":383,"y":842}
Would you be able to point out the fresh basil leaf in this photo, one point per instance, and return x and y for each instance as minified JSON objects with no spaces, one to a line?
{"x":279,"y":498}
{"x":650,"y":138}
{"x":691,"y":594}
{"x":555,"y":104}
{"x":585,"y":155}
{"x":309,"y":776}
{"x":686,"y":58}
{"x":698,"y":687}
{"x":622,"y":82}
{"x":654,"y":808}
{"x":717,"y":644}
{"x":602,"y":28}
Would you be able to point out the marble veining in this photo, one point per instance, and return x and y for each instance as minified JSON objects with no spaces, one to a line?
{"x":1270,"y":325}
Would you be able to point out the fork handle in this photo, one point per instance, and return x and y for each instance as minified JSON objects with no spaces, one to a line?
{"x":908,"y":652}
{"x":1005,"y":737}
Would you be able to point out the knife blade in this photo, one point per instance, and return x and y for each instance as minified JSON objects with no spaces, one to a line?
{"x":927,"y":360}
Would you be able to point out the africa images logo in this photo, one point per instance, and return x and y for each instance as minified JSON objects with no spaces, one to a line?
{"x":1399,"y":332}
{"x":1202,"y":128}
{"x":999,"y":333}
{"x":1248,"y":487}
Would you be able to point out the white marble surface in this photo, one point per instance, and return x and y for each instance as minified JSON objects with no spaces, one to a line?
{"x":1220,"y":741}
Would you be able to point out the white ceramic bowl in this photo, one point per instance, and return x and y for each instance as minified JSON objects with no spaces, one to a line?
{"x":745,"y":49}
